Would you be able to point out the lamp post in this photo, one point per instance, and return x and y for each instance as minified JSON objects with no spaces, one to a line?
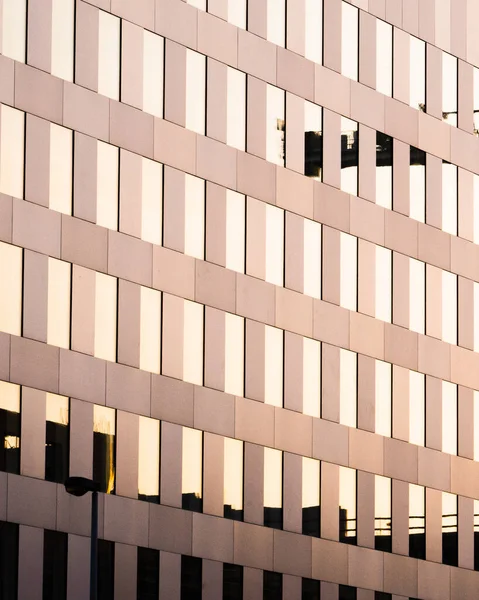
{"x":79,"y":486}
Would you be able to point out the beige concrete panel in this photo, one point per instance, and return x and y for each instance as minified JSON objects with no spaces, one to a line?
{"x":253,"y":483}
{"x":74,"y":514}
{"x":464,"y":258}
{"x":434,"y":246}
{"x":175,"y":83}
{"x":463,"y":584}
{"x":367,"y":162}
{"x":365,"y":502}
{"x":214,"y":411}
{"x":255,"y":299}
{"x":329,"y":504}
{"x":465,"y":313}
{"x":256,"y":117}
{"x":330,"y":393}
{"x":434,"y":82}
{"x":291,"y":587}
{"x":216,"y":117}
{"x":433,"y":413}
{"x":332,"y":35}
{"x":464,"y":149}
{"x":367,"y":335}
{"x":332,"y":90}
{"x":215,"y":286}
{"x":294,"y":312}
{"x":330,"y":442}
{"x":33,"y":415}
{"x":292,"y":493}
{"x":129,"y":258}
{"x":252,"y":583}
{"x":217,"y":38}
{"x":400,"y":233}
{"x":293,"y":372}
{"x":400,"y":346}
{"x":292,"y":553}
{"x":127,"y":432}
{"x":400,"y":523}
{"x":367,"y":220}
{"x":401,"y":65}
{"x":330,"y":561}
{"x":37,"y":161}
{"x":126,"y":520}
{"x":367,"y":278}
{"x":331,"y":206}
{"x":368,"y":107}
{"x":177,"y":21}
{"x":142,"y":13}
{"x":213,"y":475}
{"x":365,"y":568}
{"x":171,"y":460}
{"x":170,"y":576}
{"x":173,"y":272}
{"x":367,"y":49}
{"x":74,"y":233}
{"x":83,"y":310}
{"x":34,"y":364}
{"x":294,"y":139}
{"x":7,"y":79}
{"x":294,"y":252}
{"x":258,"y":17}
{"x":256,"y":177}
{"x":6,"y":218}
{"x":426,"y":20}
{"x":131,"y":129}
{"x":215,"y":224}
{"x":31,"y":501}
{"x":81,"y":438}
{"x":214,"y":348}
{"x":293,"y":191}
{"x":35,"y":296}
{"x":400,"y":575}
{"x":216,"y":162}
{"x":465,"y":417}
{"x":174,"y":145}
{"x":78,"y":567}
{"x":366,"y":451}
{"x":295,"y":74}
{"x":255,"y":360}
{"x":256,"y":56}
{"x":434,"y":525}
{"x":401,"y":167}
{"x":38,"y":93}
{"x":331,"y":267}
{"x":332,"y":138}
{"x":36,"y":228}
{"x":125,"y":571}
{"x":400,"y":460}
{"x":366,"y":393}
{"x":410,"y":16}
{"x":129,"y":323}
{"x":434,"y":357}
{"x":85,"y":180}
{"x":172,"y":400}
{"x":394,"y":11}
{"x":458,"y":25}
{"x":254,"y":422}
{"x":170,"y":529}
{"x":401,"y":121}
{"x":127,"y":388}
{"x":253,"y":545}
{"x":434,"y":469}
{"x":464,"y":367}
{"x":434,"y":580}
{"x":82,"y":376}
{"x":212,"y":579}
{"x":4,"y":356}
{"x":465,"y":96}
{"x":295,"y":26}
{"x":293,"y":432}
{"x":378,"y":8}
{"x":87,"y":46}
{"x":401,"y":290}
{"x":464,"y":479}
{"x":212,"y":538}
{"x":86,"y":111}
{"x":331,"y":323}
{"x":30,"y":563}
{"x":434,"y":136}
{"x":465,"y":530}
{"x":434,"y":190}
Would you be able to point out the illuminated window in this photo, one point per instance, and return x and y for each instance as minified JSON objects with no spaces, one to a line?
{"x":384,"y":169}
{"x":237,"y":13}
{"x":107,"y":186}
{"x":104,"y":448}
{"x":195,"y":91}
{"x":417,"y":521}
{"x":384,"y":57}
{"x":108,"y":55}
{"x":348,"y":284}
{"x":417,"y":408}
{"x":417,"y":295}
{"x":63,"y":31}
{"x":311,"y":497}
{"x":13,"y":29}
{"x":350,"y":41}
{"x":417,"y":73}
{"x":192,"y":470}
{"x":276,"y":21}
{"x":233,"y":479}
{"x":265,"y":238}
{"x":347,"y":505}
{"x":273,"y":488}
{"x":349,"y":155}
{"x":191,"y":578}
{"x":61,"y":167}
{"x":313,"y":31}
{"x":236,"y":108}
{"x":449,"y":89}
{"x":312,"y":258}
{"x":449,"y":529}
{"x":273,"y":365}
{"x":417,"y":185}
{"x":57,"y":438}
{"x":149,"y":460}
{"x":382,"y":513}
{"x":12,"y":143}
{"x":275,"y":125}
{"x":313,"y":140}
{"x":201,"y":4}
{"x":11,"y":267}
{"x":194,"y":217}
{"x":9,"y":427}
{"x":234,"y":354}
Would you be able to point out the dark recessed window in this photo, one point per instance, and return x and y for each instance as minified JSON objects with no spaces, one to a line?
{"x":273,"y":488}
{"x":55,"y":553}
{"x":272,"y":586}
{"x":9,"y":427}
{"x":8,"y":561}
{"x":233,"y":479}
{"x":311,"y":497}
{"x":310,"y":589}
{"x":382,"y":596}
{"x":148,"y":575}
{"x":57,"y":439}
{"x":106,"y":570}
{"x":104,"y":460}
{"x":232,"y":582}
{"x":417,"y":521}
{"x":449,"y":529}
{"x":346,"y":592}
{"x":191,"y":578}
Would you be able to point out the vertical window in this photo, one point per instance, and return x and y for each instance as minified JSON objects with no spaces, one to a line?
{"x":153,"y":73}
{"x":313,"y":31}
{"x":150,"y":330}
{"x":237,"y":13}
{"x":350,"y":41}
{"x":384,"y":57}
{"x":195,"y":91}
{"x":449,"y":89}
{"x":235,"y":231}
{"x":311,"y":377}
{"x":106,"y":570}
{"x":12,"y":143}
{"x":272,"y":585}
{"x":57,"y":438}
{"x":61,"y":168}
{"x":9,"y":428}
{"x":449,"y":529}
{"x":55,"y":554}
{"x":449,"y":307}
{"x":383,"y":396}
{"x":11,"y":266}
{"x":349,"y":154}
{"x":382,"y":513}
{"x":417,"y":295}
{"x":8,"y":560}
{"x":149,"y":460}
{"x":234,"y":354}
{"x":384,"y":169}
{"x":347,"y":506}
{"x":449,"y":417}
{"x":13,"y":29}
{"x":59,"y":303}
{"x":276,"y":21}
{"x":347,"y":592}
{"x":313,"y":140}
{"x":417,"y":521}
{"x":105,"y":316}
{"x":191,"y":578}
{"x":192,"y":470}
{"x":201,"y":4}
{"x":273,"y":365}
{"x":311,"y":497}
{"x":104,"y":451}
{"x":449,"y":198}
{"x":417,"y":73}
{"x":348,"y":284}
{"x":148,"y":574}
{"x":417,"y":408}
{"x":275,"y":125}
{"x":476,"y":427}
{"x":476,"y":317}
{"x":108,"y":55}
{"x":233,"y":479}
{"x":476,"y":535}
{"x":348,"y":365}
{"x":312,"y":258}
{"x":273,"y":488}
{"x":63,"y":28}
{"x":236,"y":109}
{"x":265,"y":239}
{"x":232,"y":582}
{"x":383,"y":292}
{"x":107,"y":186}
{"x":476,"y":101}
{"x":417,"y":184}
{"x":194,"y":217}
{"x":310,"y":589}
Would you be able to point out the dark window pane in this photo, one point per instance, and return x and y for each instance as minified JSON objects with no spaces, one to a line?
{"x":311,"y":589}
{"x":191,"y":578}
{"x":449,"y":529}
{"x":346,"y":592}
{"x":55,"y":552}
{"x":311,"y":520}
{"x":417,"y":521}
{"x":9,"y":441}
{"x":56,"y":452}
{"x":382,"y":596}
{"x":148,"y":578}
{"x":8,"y":560}
{"x":272,"y":586}
{"x":232,"y":582}
{"x":384,"y":169}
{"x":104,"y":459}
{"x":106,"y":570}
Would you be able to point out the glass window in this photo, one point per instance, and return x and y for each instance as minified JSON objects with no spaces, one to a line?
{"x":12,"y":144}
{"x":312,"y":258}
{"x":234,"y":354}
{"x":233,"y":479}
{"x":310,"y":589}
{"x":232,"y":582}
{"x":275,"y":125}
{"x":313,"y":31}
{"x":237,"y":13}
{"x":384,"y":169}
{"x":107,"y":186}
{"x":8,"y":560}
{"x":9,"y":428}
{"x":105,"y":316}
{"x":382,"y":513}
{"x":235,"y":231}
{"x":108,"y":55}
{"x":449,"y":417}
{"x":350,"y":41}
{"x":313,"y":140}
{"x":153,"y":73}
{"x":347,"y":506}
{"x":195,"y":91}
{"x":311,"y":377}
{"x":417,"y":295}
{"x":476,"y":101}
{"x":417,"y":185}
{"x":273,"y":365}
{"x":106,"y":570}
{"x":272,"y":585}
{"x":417,"y":521}
{"x":148,"y":574}
{"x":63,"y":28}
{"x":192,"y":470}
{"x":417,"y":408}
{"x":59,"y":303}
{"x":13,"y":29}
{"x":61,"y":168}
{"x":55,"y":559}
{"x":273,"y":488}
{"x":150,"y":330}
{"x":476,"y":317}
{"x":276,"y":21}
{"x":104,"y":448}
{"x":384,"y":57}
{"x":382,"y":596}
{"x":348,"y":284}
{"x":417,"y":73}
{"x":383,"y":295}
{"x":449,"y":529}
{"x":236,"y":109}
{"x":449,"y":197}
{"x":193,"y":318}
{"x":149,"y":460}
{"x":347,"y":592}
{"x":311,"y":497}
{"x":57,"y":438}
{"x":349,"y":155}
{"x":194,"y":216}
{"x":476,"y":535}
{"x":11,"y":267}
{"x":383,"y":395}
{"x":449,"y":307}
{"x":449,"y":89}
{"x":191,"y":578}
{"x":348,"y":387}
{"x":476,"y":427}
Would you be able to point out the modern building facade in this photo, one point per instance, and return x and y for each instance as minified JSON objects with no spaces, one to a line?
{"x":239,"y":288}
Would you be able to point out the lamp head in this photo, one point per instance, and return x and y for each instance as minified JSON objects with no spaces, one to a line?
{"x":79,"y":486}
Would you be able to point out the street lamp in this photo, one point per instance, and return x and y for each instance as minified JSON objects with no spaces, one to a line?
{"x":79,"y":486}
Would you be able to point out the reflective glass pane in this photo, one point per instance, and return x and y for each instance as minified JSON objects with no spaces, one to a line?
{"x":313,"y":30}
{"x":312,"y":258}
{"x":417,"y":408}
{"x":12,"y":142}
{"x":348,"y":388}
{"x":107,"y":186}
{"x":311,"y":497}
{"x":191,"y":578}
{"x":384,"y":169}
{"x":347,"y":592}
{"x":195,"y":91}
{"x":192,"y":470}
{"x":476,"y":101}
{"x":476,"y":535}
{"x":384,"y":57}
{"x":417,"y":73}
{"x":449,"y":307}
{"x":55,"y":564}
{"x":347,"y":505}
{"x":449,"y":89}
{"x":275,"y":125}
{"x":201,"y":4}
{"x":9,"y":427}
{"x":148,"y":574}
{"x":449,"y":198}
{"x":273,"y":365}
{"x":349,"y":155}
{"x":57,"y":438}
{"x":108,"y":55}
{"x":276,"y":21}
{"x":417,"y":521}
{"x":104,"y":448}
{"x":383,"y":389}
{"x":313,"y":141}
{"x":237,"y":13}
{"x":476,"y":317}
{"x":417,"y":185}
{"x":449,"y":529}
{"x":310,"y":589}
{"x":236,"y":109}
{"x":350,"y":41}
{"x":150,"y":330}
{"x":59,"y":303}
{"x":149,"y":459}
{"x":233,"y":479}
{"x":234,"y":354}
{"x":449,"y":417}
{"x":106,"y":570}
{"x":13,"y":29}
{"x":9,"y":560}
{"x":105,"y":316}
{"x":272,"y":586}
{"x":232,"y":582}
{"x":348,"y":284}
{"x":311,"y":377}
{"x":11,"y":267}
{"x":273,"y":488}
{"x":476,"y":427}
{"x":382,"y":513}
{"x":61,"y":167}
{"x":194,"y":216}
